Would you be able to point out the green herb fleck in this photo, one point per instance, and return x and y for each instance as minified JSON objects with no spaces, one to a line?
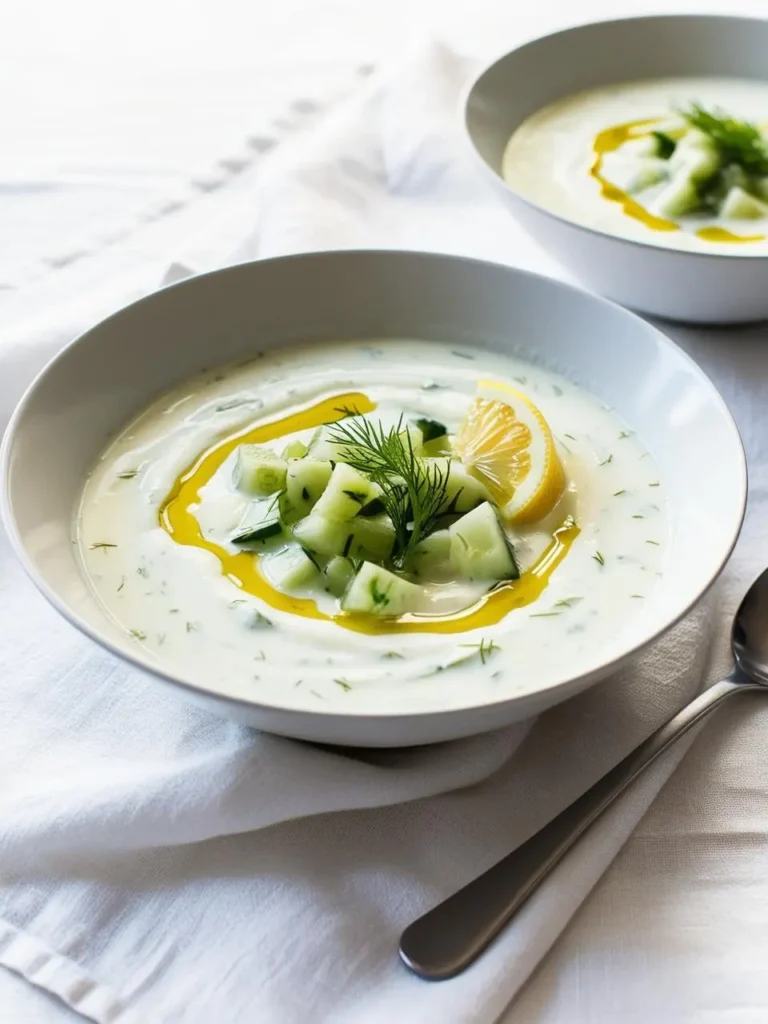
{"x":122,"y":584}
{"x":378,"y":597}
{"x":137,"y":634}
{"x":129,"y":474}
{"x":625,"y":433}
{"x":656,"y":484}
{"x":237,"y":601}
{"x":346,"y":687}
{"x":392,"y":654}
{"x":606,"y":461}
{"x":461,"y":355}
{"x":665,"y":145}
{"x":544,"y":615}
{"x":143,"y":572}
{"x":654,"y":542}
{"x":570,"y":437}
{"x":638,"y":516}
{"x":103,"y":545}
{"x":484,"y":649}
{"x":617,"y":493}
{"x":639,"y":596}
{"x":567,"y":602}
{"x":191,"y":627}
{"x":599,"y":558}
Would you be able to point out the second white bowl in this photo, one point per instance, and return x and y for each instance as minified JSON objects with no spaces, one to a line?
{"x":689,"y":286}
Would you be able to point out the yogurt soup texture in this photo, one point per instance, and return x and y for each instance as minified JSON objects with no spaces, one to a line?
{"x":234,"y":537}
{"x":679,"y":162}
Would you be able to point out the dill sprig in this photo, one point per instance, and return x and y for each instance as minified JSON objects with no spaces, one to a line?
{"x":413,"y":492}
{"x":739,"y":142}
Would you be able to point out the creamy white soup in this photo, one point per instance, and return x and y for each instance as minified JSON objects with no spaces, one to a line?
{"x":680,"y":162}
{"x":196,"y":545}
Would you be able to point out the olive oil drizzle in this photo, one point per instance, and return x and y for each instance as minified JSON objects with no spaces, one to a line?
{"x":611,"y":139}
{"x":177,"y":518}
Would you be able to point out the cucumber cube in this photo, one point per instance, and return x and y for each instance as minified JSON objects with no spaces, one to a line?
{"x":479,"y":547}
{"x":295,"y":450}
{"x":375,"y":591}
{"x":337,"y":574}
{"x":432,"y":556}
{"x":740,"y":205}
{"x":305,"y":482}
{"x":347,"y":492}
{"x":259,"y":471}
{"x":678,"y":198}
{"x":323,"y":449}
{"x":371,"y":538}
{"x":290,"y":569}
{"x":464,"y":492}
{"x":260,"y":524}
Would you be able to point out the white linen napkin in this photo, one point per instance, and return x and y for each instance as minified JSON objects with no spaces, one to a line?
{"x":162,"y":865}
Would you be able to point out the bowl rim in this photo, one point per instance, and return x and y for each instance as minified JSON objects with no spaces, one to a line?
{"x":565,"y":686}
{"x":498,"y":180}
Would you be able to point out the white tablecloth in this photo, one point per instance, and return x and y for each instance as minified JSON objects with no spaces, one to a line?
{"x":677,"y":928}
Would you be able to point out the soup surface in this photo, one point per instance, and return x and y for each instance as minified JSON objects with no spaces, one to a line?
{"x":162,"y":506}
{"x":596,"y":158}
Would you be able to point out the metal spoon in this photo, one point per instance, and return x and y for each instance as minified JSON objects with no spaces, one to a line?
{"x":450,"y":937}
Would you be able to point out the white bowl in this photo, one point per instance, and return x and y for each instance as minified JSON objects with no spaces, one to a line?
{"x":101,"y":380}
{"x":692,"y":286}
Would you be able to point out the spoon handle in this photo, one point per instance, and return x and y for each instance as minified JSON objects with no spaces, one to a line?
{"x":450,"y":937}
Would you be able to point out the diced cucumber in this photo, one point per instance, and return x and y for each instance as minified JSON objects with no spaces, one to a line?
{"x":371,"y":538}
{"x":258,"y":470}
{"x":374,"y":538}
{"x":305,"y":482}
{"x":678,"y":198}
{"x":262,"y":522}
{"x":322,"y":448}
{"x":696,"y":156}
{"x":290,"y":568}
{"x":375,"y":591}
{"x":646,"y":173}
{"x":479,"y":547}
{"x":431,"y":557}
{"x":337,"y":574}
{"x":464,"y":492}
{"x":347,"y":492}
{"x":295,"y":450}
{"x":740,"y":205}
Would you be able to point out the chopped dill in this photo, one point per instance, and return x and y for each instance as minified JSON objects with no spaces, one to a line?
{"x":137,"y":634}
{"x":484,"y":649}
{"x":129,"y":474}
{"x":570,"y":437}
{"x":544,"y":615}
{"x":122,"y":584}
{"x":654,"y":542}
{"x":599,"y":558}
{"x":656,"y":484}
{"x":346,"y":687}
{"x":567,"y":602}
{"x":625,"y":433}
{"x":392,"y":654}
{"x":606,"y":461}
{"x":102,"y":545}
{"x":617,"y":493}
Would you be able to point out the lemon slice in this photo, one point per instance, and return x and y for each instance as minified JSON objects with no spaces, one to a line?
{"x":506,"y":443}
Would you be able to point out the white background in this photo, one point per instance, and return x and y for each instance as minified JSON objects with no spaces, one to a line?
{"x":107,"y":110}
